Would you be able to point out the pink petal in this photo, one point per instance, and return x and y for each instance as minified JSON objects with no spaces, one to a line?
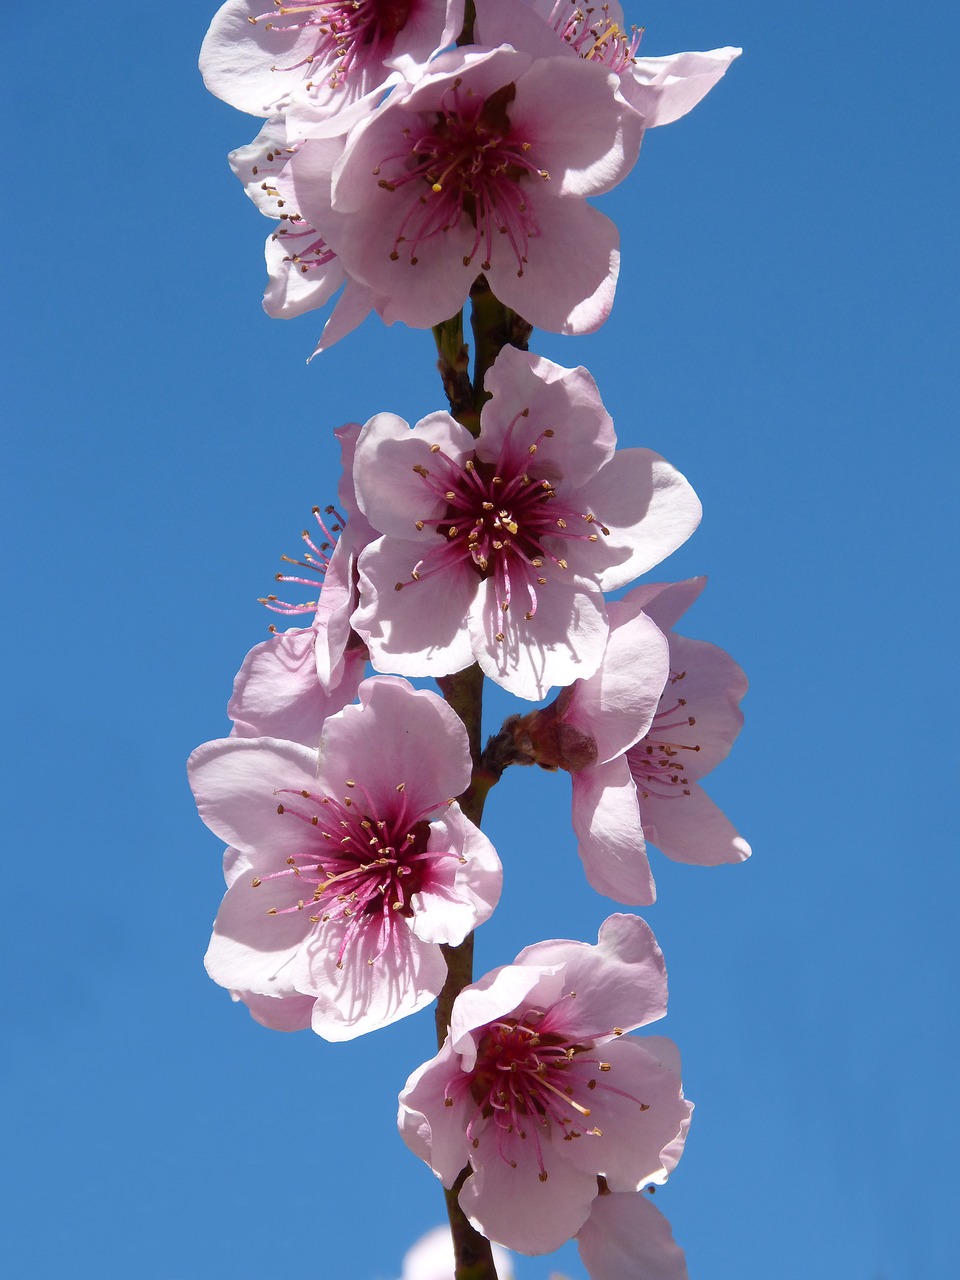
{"x":513,"y":1206}
{"x":432,"y":1130}
{"x":364,"y":996}
{"x":649,"y":508}
{"x":235,"y":782}
{"x":625,"y":1237}
{"x":406,"y":749}
{"x":277,"y":692}
{"x":457,"y":896}
{"x":713,"y":685}
{"x":251,"y":950}
{"x":620,"y":982}
{"x":565,"y":401}
{"x":419,"y":630}
{"x":616,"y":705}
{"x":394,"y":496}
{"x":664,"y":602}
{"x":501,"y":992}
{"x":283,"y":1013}
{"x":562,"y":641}
{"x":627,"y":1152}
{"x":606,"y":819}
{"x":690,"y":828}
{"x":581,"y":132}
{"x":664,"y":89}
{"x":577,"y":299}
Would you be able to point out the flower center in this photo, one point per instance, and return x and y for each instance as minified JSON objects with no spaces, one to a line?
{"x":346,"y":32}
{"x":525,"y":1079}
{"x":593,"y":34}
{"x":467,"y":166}
{"x":500,"y":520}
{"x":656,"y":761}
{"x":315,"y":561}
{"x":357,"y":868}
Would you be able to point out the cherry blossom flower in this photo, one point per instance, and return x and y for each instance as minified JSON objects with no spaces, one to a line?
{"x":538,"y":1090}
{"x":303,"y":271}
{"x":657,"y":715}
{"x":696,"y":724}
{"x":345,"y":875}
{"x":257,"y":56}
{"x":499,"y":549}
{"x":661,"y":89}
{"x":483,"y":165}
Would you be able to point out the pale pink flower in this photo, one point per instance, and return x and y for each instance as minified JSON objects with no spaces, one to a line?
{"x":659,"y":713}
{"x":345,"y":875}
{"x":484,"y":166}
{"x":661,"y":89}
{"x":538,"y":1090}
{"x":498,"y":549}
{"x":335,"y":53}
{"x":696,"y":724}
{"x":303,"y":271}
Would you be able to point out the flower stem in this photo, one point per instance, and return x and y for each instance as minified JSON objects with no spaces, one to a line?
{"x":464,"y":692}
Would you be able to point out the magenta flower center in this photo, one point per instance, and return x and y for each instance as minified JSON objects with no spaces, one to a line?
{"x":468,"y":166}
{"x":501,"y":521}
{"x":593,"y":34}
{"x":346,"y":32}
{"x":657,"y":761}
{"x":360,"y":866}
{"x":527,"y":1078}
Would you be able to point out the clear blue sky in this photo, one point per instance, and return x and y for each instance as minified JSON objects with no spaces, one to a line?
{"x":785,"y":332}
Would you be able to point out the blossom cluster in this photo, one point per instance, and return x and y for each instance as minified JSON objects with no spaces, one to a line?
{"x":412,"y":163}
{"x":399,"y":167}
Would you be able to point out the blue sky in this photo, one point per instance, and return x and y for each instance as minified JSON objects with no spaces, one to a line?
{"x":785,"y":332}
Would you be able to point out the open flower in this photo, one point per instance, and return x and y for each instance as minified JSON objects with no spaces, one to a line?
{"x":335,"y":53}
{"x":345,"y":876}
{"x":658,"y":714}
{"x":661,"y":89}
{"x":498,"y":550}
{"x":483,"y":166}
{"x":539,"y":1091}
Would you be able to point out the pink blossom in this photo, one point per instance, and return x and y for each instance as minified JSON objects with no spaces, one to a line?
{"x":304,"y":273}
{"x":499,"y":549}
{"x":538,"y":1090}
{"x":483,"y":165}
{"x":696,"y":724}
{"x":334,"y":53}
{"x":345,"y":874}
{"x":657,"y":715}
{"x":661,"y":89}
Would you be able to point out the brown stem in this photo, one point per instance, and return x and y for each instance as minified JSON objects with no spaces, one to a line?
{"x":469,"y":18}
{"x":494,"y":327}
{"x":453,"y":361}
{"x":473,"y":1256}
